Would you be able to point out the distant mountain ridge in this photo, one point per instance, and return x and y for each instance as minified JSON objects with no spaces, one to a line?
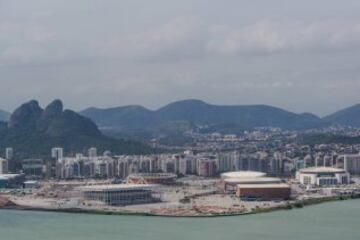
{"x":33,"y":131}
{"x":348,"y":117}
{"x":201,"y":113}
{"x":4,"y":115}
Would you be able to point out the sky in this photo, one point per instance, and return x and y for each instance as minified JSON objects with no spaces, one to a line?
{"x":303,"y":56}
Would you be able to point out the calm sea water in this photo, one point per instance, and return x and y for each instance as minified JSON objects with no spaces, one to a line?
{"x":338,"y":220}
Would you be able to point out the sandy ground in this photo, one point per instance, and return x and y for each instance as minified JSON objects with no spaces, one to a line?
{"x":55,"y":196}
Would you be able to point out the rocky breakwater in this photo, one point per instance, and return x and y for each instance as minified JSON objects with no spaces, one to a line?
{"x":6,"y":203}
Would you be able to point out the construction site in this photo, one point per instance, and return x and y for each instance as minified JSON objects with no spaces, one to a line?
{"x":232,"y":194}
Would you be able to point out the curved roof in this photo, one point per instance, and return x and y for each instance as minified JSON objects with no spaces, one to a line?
{"x":242,"y":174}
{"x":322,"y":170}
{"x":252,"y":180}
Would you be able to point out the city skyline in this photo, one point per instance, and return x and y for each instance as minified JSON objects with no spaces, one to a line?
{"x":302,"y":57}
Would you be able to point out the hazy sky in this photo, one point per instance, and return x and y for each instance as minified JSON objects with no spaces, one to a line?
{"x":298,"y":55}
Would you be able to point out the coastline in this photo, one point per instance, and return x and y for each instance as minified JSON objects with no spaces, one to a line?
{"x":287,"y":206}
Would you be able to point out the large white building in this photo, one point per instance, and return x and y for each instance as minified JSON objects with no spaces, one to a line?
{"x":322,"y":176}
{"x":57,"y":153}
{"x":9,"y":153}
{"x":92,"y":152}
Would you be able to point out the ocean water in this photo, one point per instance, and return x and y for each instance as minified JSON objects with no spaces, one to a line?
{"x":336,"y":220}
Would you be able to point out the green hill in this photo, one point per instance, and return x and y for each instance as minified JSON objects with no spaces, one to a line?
{"x":197,"y":112}
{"x":347,"y":117}
{"x":33,"y":131}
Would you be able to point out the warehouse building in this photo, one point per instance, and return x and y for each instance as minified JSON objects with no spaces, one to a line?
{"x":263,"y":192}
{"x":121,"y":194}
{"x":323,"y":176}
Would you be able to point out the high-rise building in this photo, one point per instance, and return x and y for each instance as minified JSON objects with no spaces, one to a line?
{"x":57,"y":153}
{"x":3,"y":166}
{"x":352,"y":163}
{"x":92,"y":152}
{"x":9,"y":153}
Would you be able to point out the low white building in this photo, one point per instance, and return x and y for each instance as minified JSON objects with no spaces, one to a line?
{"x":322,"y":176}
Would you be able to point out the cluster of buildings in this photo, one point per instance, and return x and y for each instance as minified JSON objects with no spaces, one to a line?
{"x":280,"y":162}
{"x":108,"y":166}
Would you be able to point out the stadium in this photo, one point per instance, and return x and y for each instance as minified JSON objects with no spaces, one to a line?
{"x":255,"y":185}
{"x":321,"y":176}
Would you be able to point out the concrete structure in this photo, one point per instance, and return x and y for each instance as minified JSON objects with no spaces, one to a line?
{"x":352,"y":163}
{"x":4,"y":167}
{"x":151,"y":178}
{"x":321,"y":176}
{"x":265,"y":192}
{"x":121,"y":194}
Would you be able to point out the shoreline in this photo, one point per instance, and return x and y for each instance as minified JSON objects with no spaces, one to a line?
{"x":287,"y":206}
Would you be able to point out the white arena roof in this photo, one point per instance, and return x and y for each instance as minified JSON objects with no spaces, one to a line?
{"x":259,"y":180}
{"x":242,"y":174}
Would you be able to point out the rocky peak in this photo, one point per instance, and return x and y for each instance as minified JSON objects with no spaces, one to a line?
{"x":54,"y":109}
{"x":26,"y":114}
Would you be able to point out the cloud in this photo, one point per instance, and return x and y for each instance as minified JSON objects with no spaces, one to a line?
{"x":178,"y":36}
{"x":22,"y":43}
{"x":270,"y":36}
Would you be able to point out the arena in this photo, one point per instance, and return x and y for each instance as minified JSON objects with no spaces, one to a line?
{"x":230,"y":180}
{"x":321,"y":176}
{"x":121,"y":194}
{"x":151,"y":178}
{"x":230,"y":184}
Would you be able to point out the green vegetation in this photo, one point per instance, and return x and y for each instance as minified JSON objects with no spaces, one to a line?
{"x":32,"y":132}
{"x":199,"y":113}
{"x":347,"y":117}
{"x":226,"y":128}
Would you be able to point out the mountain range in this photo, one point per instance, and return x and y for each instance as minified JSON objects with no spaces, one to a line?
{"x":4,"y":116}
{"x":346,"y":117}
{"x":134,"y":119}
{"x":33,"y":131}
